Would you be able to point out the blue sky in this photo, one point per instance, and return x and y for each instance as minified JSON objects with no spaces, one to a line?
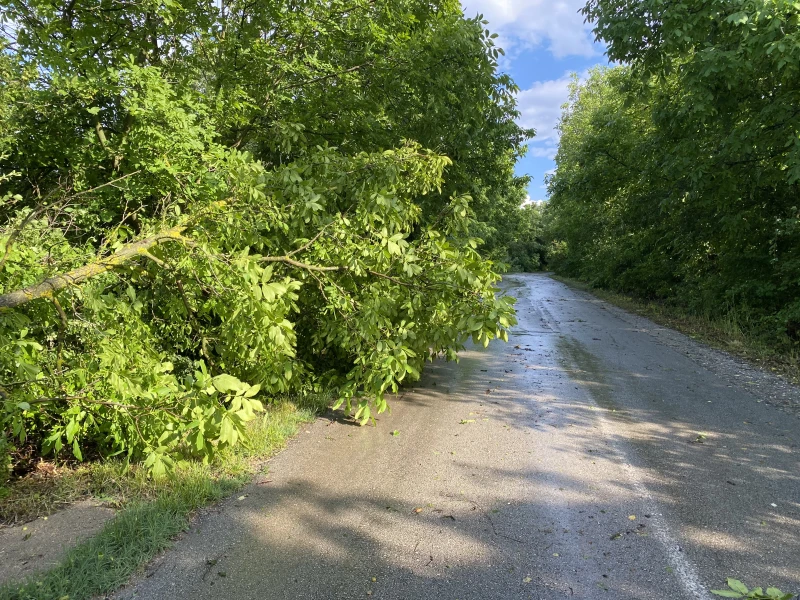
{"x":545,"y":41}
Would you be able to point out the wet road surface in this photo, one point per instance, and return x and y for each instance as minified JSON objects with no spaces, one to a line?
{"x":590,"y":457}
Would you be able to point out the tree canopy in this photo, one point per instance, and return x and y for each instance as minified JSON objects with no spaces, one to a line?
{"x":677,"y":174}
{"x":207,"y":204}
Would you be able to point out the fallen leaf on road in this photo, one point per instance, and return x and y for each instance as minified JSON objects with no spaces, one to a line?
{"x":527,"y":580}
{"x":417,"y":510}
{"x":465,"y":421}
{"x":396,"y":432}
{"x":632,"y":517}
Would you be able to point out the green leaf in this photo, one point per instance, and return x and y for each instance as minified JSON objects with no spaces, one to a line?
{"x":737,"y":585}
{"x":252,"y":390}
{"x":225,"y":383}
{"x":76,"y":451}
{"x":738,"y":18}
{"x":71,"y":429}
{"x":227,"y":432}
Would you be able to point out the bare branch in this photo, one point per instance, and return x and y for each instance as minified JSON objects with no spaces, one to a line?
{"x":294,"y":263}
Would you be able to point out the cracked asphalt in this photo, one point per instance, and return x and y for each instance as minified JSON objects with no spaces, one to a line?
{"x":596,"y":455}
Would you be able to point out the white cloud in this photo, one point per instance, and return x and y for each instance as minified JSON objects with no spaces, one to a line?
{"x":522,"y":24}
{"x":547,"y":151}
{"x":540,"y":108}
{"x":529,"y":200}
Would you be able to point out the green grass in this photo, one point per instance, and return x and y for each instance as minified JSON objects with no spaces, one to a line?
{"x":733,"y":332}
{"x":152,"y":512}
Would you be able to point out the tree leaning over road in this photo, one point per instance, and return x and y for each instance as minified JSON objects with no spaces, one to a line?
{"x":204,"y":204}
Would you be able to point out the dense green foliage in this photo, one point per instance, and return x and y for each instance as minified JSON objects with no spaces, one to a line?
{"x":528,"y":250}
{"x":677,"y":173}
{"x":205,"y":204}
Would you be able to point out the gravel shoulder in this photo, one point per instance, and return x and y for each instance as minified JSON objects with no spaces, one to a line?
{"x":767,"y":387}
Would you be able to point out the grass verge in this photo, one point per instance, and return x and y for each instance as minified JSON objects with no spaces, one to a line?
{"x":152,"y":512}
{"x":732,"y":333}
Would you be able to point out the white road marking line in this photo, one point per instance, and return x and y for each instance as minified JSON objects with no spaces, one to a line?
{"x":683,"y":568}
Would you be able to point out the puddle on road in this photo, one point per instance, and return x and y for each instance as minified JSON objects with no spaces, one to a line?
{"x":584,"y":368}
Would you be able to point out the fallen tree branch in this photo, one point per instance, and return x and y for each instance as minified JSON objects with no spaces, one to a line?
{"x":51,"y":285}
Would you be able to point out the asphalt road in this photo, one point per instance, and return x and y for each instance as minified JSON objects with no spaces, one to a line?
{"x":596,"y":455}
